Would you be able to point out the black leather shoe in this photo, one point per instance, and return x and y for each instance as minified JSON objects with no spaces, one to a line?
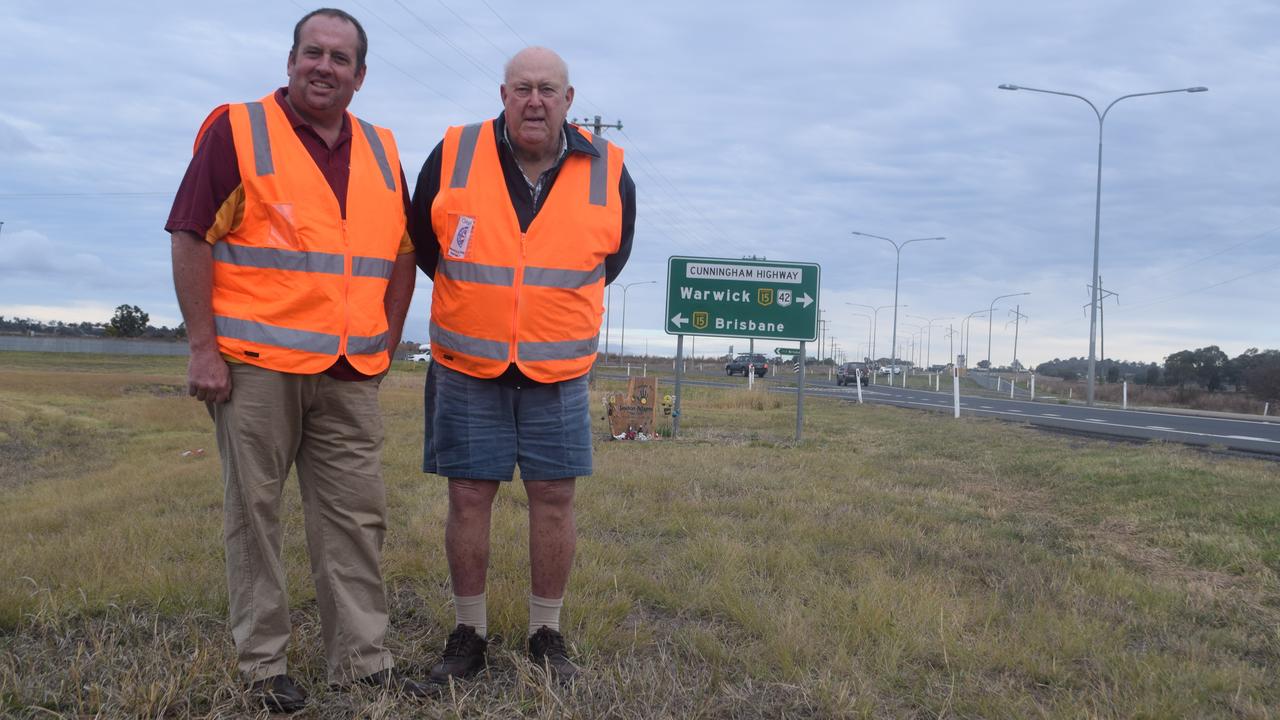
{"x":463,"y":655}
{"x":546,"y":649}
{"x":393,"y":682}
{"x":279,"y":694}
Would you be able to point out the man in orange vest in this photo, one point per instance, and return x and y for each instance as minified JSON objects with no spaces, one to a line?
{"x":294,"y":273}
{"x":520,"y":221}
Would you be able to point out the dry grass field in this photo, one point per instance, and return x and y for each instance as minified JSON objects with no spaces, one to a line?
{"x":896,"y":564}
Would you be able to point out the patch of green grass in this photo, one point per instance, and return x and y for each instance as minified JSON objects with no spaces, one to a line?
{"x":894,"y":564}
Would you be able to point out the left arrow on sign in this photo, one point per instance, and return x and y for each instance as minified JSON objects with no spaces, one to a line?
{"x":679,"y":320}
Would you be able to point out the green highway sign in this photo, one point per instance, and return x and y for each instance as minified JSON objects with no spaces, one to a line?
{"x":787,"y":351}
{"x":742,"y":298}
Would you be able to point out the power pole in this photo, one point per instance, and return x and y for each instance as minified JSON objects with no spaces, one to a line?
{"x":1017,"y":316}
{"x":596,"y":126}
{"x":1102,"y":318}
{"x":951,"y":336}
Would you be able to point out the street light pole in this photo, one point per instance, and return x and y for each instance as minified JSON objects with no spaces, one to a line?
{"x":990,"y":313}
{"x":896,"y":266}
{"x":875,"y":322}
{"x":928,"y":360}
{"x":622,"y":352}
{"x":870,"y":323}
{"x":1097,"y":202}
{"x":966,"y":331}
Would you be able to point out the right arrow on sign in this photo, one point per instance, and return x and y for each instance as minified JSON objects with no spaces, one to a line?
{"x":805,"y":300}
{"x":679,"y":320}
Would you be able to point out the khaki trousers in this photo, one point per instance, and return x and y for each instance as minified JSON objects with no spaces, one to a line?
{"x":332,"y":430}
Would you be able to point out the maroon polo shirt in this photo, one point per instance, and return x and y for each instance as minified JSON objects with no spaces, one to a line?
{"x":214,"y":176}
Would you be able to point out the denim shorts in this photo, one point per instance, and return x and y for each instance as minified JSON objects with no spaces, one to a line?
{"x":481,"y":429}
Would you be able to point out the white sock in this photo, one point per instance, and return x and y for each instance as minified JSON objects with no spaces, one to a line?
{"x":544,"y":611}
{"x":472,"y":611}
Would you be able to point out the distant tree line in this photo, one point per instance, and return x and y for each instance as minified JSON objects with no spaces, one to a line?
{"x":128,"y":321}
{"x":1254,"y":371}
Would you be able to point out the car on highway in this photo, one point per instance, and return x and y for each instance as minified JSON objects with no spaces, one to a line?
{"x":420,"y":357}
{"x":849,"y":373}
{"x":739,"y":365}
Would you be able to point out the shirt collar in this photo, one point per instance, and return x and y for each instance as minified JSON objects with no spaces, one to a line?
{"x":571,"y":139}
{"x":296,"y":120}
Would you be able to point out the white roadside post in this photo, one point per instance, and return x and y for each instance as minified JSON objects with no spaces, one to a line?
{"x":1012,"y":386}
{"x":1125,"y":389}
{"x":1033,"y":386}
{"x":751,"y":375}
{"x":857,"y":380}
{"x":955,"y":390}
{"x":1266,"y":407}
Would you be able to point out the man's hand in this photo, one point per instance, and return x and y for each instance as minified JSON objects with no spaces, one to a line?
{"x":208,"y":378}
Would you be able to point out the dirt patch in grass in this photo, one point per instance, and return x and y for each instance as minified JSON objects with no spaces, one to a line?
{"x":156,"y":389}
{"x":43,"y":445}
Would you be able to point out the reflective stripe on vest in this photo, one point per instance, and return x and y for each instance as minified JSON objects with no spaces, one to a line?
{"x":556,"y":278}
{"x":466,"y":152}
{"x":360,"y":345}
{"x":262,"y":162}
{"x":477,"y":273}
{"x":477,"y":347}
{"x":277,"y":259}
{"x":299,"y":261}
{"x":371,"y":267}
{"x":264,"y":334}
{"x":379,"y":154}
{"x":561,"y":350}
{"x":600,"y":172}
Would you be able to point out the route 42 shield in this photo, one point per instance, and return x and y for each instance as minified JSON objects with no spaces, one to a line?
{"x":784,"y":298}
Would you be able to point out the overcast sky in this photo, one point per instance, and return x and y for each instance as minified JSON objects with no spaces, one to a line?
{"x":751,"y":128}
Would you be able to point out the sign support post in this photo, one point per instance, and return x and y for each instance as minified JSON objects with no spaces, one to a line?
{"x":675,"y":409}
{"x":800,"y":397}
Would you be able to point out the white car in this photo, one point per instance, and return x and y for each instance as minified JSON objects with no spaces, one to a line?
{"x":420,"y":357}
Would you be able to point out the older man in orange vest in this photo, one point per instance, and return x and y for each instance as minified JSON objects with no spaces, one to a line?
{"x":521,"y":221}
{"x":294,"y":273}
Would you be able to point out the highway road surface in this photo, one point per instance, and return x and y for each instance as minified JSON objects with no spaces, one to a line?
{"x":1257,"y":436}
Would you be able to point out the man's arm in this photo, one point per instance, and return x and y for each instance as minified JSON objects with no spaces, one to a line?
{"x":399,"y":295}
{"x":207,"y":375}
{"x":424,"y":194}
{"x":614,"y":263}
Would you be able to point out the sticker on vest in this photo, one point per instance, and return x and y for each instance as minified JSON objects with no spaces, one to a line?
{"x":461,"y":236}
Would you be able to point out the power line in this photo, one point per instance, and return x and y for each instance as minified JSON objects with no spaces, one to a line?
{"x":54,"y":196}
{"x":523,"y":42}
{"x":429,"y":54}
{"x":1212,"y":255}
{"x":475,"y":63}
{"x":484,"y":37}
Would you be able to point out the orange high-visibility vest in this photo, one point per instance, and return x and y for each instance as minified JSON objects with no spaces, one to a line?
{"x":535,"y":299}
{"x":295,"y":285}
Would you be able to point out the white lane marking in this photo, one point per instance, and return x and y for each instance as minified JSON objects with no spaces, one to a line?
{"x":1158,"y":427}
{"x":1097,"y":420}
{"x":1051,"y":414}
{"x":1143,"y":427}
{"x":1015,"y":411}
{"x":985,"y":407}
{"x":1247,"y":437}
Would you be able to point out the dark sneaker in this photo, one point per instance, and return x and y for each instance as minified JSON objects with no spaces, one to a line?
{"x":463,"y":655}
{"x":546,"y":649}
{"x":393,"y":682}
{"x":279,"y":694}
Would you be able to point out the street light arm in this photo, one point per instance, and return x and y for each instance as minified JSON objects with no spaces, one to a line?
{"x":1157,"y":92}
{"x":1087,"y":101}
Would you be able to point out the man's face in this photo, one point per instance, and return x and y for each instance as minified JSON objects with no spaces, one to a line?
{"x":536,"y":97}
{"x":322,"y":70}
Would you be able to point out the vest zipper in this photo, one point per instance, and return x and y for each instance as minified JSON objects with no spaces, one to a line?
{"x":346,"y":289}
{"x":515,"y":315}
